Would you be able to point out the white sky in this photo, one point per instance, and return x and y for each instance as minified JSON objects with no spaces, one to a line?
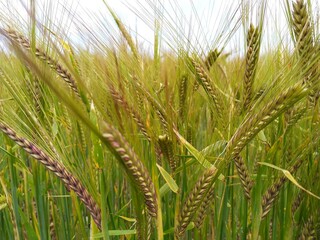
{"x":201,"y":22}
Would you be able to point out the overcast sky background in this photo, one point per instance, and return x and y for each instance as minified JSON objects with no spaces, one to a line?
{"x":203,"y":24}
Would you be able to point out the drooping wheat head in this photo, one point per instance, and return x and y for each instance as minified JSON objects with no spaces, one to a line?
{"x":133,"y":166}
{"x":62,"y":72}
{"x":59,"y":170}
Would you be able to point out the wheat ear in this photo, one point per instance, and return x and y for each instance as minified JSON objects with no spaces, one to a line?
{"x":252,"y":56}
{"x":194,"y":200}
{"x":308,"y":231}
{"x":125,"y":34}
{"x":58,"y":169}
{"x":182,"y":95}
{"x":133,"y":165}
{"x":254,"y":123}
{"x":272,"y":193}
{"x":305,"y":46}
{"x":62,"y":72}
{"x":166,"y":146}
{"x":297,"y":202}
{"x":206,"y":83}
{"x":205,"y":204}
{"x":130,"y":110}
{"x":302,"y":29}
{"x":244,"y":176}
{"x":211,"y":58}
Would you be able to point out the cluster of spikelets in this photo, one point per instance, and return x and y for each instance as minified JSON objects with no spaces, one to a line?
{"x":167,"y":143}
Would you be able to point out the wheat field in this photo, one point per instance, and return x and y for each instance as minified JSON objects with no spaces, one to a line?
{"x":183,"y":141}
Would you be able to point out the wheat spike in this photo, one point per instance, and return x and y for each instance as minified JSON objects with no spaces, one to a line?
{"x":211,"y":58}
{"x":302,"y":28}
{"x":254,"y":123}
{"x":62,"y":72}
{"x":166,"y":146}
{"x":244,"y":176}
{"x":182,"y":95}
{"x":305,"y":46}
{"x":297,"y":202}
{"x":133,"y":165}
{"x":193,"y":201}
{"x":206,"y":83}
{"x":252,"y":56}
{"x":125,"y":34}
{"x":201,"y":214}
{"x":308,"y":231}
{"x":130,"y":110}
{"x":58,"y":169}
{"x":272,"y":193}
